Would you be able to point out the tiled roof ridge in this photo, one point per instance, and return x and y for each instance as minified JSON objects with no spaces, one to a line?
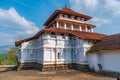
{"x":108,"y":43}
{"x":67,"y":9}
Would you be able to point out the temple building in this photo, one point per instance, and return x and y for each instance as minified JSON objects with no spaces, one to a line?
{"x":62,"y":44}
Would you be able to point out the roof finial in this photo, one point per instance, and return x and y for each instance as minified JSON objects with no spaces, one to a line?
{"x":65,"y":6}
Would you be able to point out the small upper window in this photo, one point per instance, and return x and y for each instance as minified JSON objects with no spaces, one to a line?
{"x":70,"y":37}
{"x":59,"y":55}
{"x":63,"y":36}
{"x":82,"y":19}
{"x":52,"y":35}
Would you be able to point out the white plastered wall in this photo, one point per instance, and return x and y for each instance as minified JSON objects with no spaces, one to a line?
{"x":93,"y":61}
{"x":109,"y":60}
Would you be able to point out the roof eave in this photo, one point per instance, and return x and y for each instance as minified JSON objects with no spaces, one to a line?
{"x":53,"y":14}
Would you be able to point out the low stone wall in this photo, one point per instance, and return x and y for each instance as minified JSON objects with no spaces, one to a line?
{"x":7,"y":68}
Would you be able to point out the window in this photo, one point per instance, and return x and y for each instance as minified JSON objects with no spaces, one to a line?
{"x":59,"y":55}
{"x":82,"y":19}
{"x":52,"y":35}
{"x":68,"y":26}
{"x":70,"y":37}
{"x":89,"y":42}
{"x":61,"y":25}
{"x":75,"y":18}
{"x":63,"y":36}
{"x":83,"y":28}
{"x":76,"y":27}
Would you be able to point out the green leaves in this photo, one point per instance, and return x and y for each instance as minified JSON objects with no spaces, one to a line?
{"x":10,"y":58}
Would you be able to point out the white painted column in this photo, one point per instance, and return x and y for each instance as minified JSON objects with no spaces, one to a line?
{"x":64,"y":25}
{"x":71,"y":26}
{"x":86,"y":29}
{"x":80,"y":28}
{"x":57,"y":24}
{"x":91,"y":29}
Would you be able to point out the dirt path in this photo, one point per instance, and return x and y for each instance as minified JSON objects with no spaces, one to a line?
{"x":59,"y":75}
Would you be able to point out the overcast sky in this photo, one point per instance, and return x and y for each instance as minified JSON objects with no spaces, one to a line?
{"x":24,"y":18}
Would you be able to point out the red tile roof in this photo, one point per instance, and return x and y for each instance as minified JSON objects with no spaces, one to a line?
{"x":67,"y":11}
{"x":80,"y":34}
{"x":71,"y":12}
{"x":108,"y":43}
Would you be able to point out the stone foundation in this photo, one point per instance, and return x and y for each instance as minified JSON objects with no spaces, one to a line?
{"x":48,"y":67}
{"x":57,"y":67}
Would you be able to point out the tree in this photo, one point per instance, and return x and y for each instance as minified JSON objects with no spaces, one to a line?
{"x":10,"y":58}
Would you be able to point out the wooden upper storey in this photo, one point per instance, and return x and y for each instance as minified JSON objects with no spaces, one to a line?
{"x":67,"y":12}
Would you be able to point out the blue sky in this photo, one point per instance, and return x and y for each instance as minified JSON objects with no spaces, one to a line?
{"x":23,"y":18}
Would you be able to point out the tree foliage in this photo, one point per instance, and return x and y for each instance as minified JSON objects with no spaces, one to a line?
{"x":10,"y":58}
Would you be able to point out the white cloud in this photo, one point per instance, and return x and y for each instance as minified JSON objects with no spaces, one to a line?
{"x":113,"y":5}
{"x":100,"y":21}
{"x":81,"y":5}
{"x":91,"y":6}
{"x":91,"y":3}
{"x":15,"y":25}
{"x":101,"y":10}
{"x":16,"y":22}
